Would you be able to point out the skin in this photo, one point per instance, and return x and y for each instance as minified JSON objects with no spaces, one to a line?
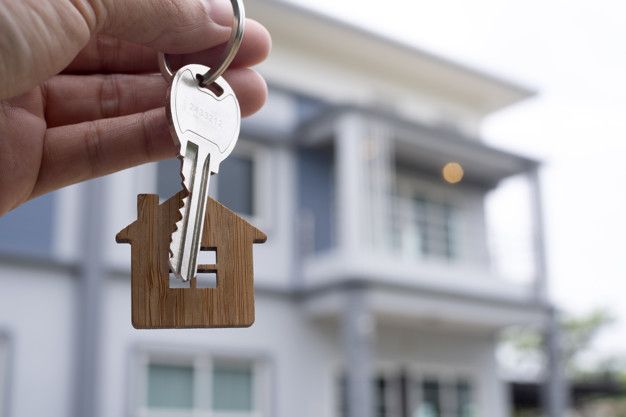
{"x":80,"y":93}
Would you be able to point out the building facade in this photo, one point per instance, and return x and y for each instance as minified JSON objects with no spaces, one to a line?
{"x":377,"y":293}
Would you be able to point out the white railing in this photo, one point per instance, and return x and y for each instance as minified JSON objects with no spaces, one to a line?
{"x":423,"y":230}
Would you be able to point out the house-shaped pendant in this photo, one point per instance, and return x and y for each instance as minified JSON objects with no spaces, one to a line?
{"x":154,"y":304}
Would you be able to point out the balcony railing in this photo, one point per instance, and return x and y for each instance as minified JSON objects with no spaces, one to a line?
{"x":416,"y":231}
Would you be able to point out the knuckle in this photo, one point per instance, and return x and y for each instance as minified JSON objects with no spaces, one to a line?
{"x":148,"y":149}
{"x":93,"y":144}
{"x":110,"y":96}
{"x":108,"y":50}
{"x":93,"y":12}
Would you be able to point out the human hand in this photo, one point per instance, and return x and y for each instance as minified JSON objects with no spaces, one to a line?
{"x":78,"y":95}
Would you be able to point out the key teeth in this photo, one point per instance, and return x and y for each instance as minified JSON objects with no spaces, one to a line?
{"x":181,"y":206}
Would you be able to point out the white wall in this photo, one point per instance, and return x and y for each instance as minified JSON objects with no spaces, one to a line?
{"x":304,"y":356}
{"x":301,"y":355}
{"x":37,"y":310}
{"x":452,"y":352}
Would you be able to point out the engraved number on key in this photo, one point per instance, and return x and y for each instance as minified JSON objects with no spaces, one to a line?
{"x":207,"y":128}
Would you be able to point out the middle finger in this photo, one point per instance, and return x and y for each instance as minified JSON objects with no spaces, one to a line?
{"x":105,"y":54}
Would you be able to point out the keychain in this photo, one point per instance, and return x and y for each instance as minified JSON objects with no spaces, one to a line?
{"x":166,"y":239}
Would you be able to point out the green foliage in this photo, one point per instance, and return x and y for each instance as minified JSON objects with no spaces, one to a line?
{"x":578,"y":333}
{"x":577,"y":336}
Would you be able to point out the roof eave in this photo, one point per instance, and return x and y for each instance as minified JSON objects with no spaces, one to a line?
{"x":280,"y":14}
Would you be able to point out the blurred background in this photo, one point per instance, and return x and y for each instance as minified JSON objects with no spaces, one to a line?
{"x":441,"y":184}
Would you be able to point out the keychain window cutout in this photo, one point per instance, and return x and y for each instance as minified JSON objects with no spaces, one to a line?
{"x":177,"y":283}
{"x":207,"y":257}
{"x":206,"y":276}
{"x":206,"y":280}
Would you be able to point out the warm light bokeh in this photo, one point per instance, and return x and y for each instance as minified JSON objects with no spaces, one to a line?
{"x":452,"y":172}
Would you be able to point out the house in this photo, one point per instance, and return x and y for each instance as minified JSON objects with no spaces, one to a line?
{"x":382,"y":288}
{"x":229,"y":303}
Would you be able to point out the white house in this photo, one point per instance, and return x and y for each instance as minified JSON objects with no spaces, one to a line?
{"x":377,"y":292}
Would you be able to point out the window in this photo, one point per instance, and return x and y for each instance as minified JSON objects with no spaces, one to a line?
{"x":236,"y":184}
{"x":170,"y":387}
{"x":28,"y":229}
{"x":434,"y":227}
{"x":202,"y":385}
{"x":169,"y":181}
{"x":464,"y":395}
{"x":440,"y":396}
{"x":424,"y":226}
{"x":430,"y":405}
{"x":233,"y":387}
{"x":384,"y":392}
{"x":407,"y":394}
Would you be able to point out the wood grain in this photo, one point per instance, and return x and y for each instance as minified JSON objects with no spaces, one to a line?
{"x":154,"y":304}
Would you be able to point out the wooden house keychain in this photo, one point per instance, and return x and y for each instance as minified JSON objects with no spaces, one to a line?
{"x":166,"y":239}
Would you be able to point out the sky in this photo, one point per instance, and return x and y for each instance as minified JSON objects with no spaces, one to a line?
{"x":573,"y":53}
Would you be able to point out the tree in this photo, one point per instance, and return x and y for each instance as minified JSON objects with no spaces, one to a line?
{"x":577,"y":332}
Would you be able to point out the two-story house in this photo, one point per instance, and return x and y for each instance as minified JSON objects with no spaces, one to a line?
{"x":376,"y":292}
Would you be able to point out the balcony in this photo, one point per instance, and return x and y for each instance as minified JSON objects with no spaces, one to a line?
{"x":387,"y":218}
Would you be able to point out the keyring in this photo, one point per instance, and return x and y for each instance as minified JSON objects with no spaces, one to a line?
{"x":236,"y":36}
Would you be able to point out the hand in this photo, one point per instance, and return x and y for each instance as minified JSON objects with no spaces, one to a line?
{"x":103,"y":111}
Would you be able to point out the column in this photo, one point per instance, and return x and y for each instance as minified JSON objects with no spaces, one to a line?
{"x":379,"y":162}
{"x":349,"y":183}
{"x":358,"y":331}
{"x":555,"y":390}
{"x":538,"y":237}
{"x":90,"y":293}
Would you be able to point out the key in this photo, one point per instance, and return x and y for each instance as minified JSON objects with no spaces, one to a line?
{"x":205,"y":122}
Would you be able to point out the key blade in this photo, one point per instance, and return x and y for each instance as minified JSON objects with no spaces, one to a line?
{"x":186,"y":239}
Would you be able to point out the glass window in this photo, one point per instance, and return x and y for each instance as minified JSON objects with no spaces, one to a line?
{"x":424,"y":227}
{"x":380,"y":387}
{"x":29,"y":228}
{"x":169,"y":181}
{"x":343,"y":397}
{"x":406,"y":395}
{"x":384,"y":391}
{"x":431,"y":399}
{"x":308,"y":107}
{"x":232,"y":387}
{"x":465,"y":406}
{"x":202,"y":387}
{"x":236,"y":184}
{"x":170,"y":387}
{"x":316,"y":196}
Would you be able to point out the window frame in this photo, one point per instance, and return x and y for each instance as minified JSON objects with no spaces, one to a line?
{"x":202,"y":362}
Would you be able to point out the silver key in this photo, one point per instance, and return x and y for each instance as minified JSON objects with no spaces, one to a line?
{"x":207,"y":127}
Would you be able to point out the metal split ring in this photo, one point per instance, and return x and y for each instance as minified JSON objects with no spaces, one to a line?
{"x":236,"y":36}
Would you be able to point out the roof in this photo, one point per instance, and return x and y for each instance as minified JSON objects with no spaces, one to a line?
{"x":429,"y":147}
{"x":296,"y":24}
{"x":152,"y":200}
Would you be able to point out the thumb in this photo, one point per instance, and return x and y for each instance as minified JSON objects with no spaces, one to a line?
{"x":39,"y":39}
{"x":171,"y":26}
